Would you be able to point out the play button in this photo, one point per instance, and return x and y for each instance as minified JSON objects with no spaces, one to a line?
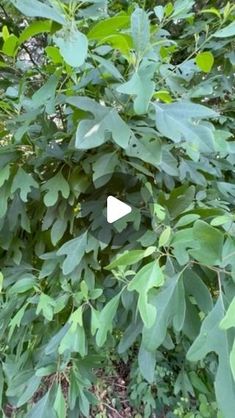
{"x":105,"y":204}
{"x":116,"y":209}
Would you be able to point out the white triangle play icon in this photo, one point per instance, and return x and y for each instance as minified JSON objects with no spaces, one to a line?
{"x":116,"y":209}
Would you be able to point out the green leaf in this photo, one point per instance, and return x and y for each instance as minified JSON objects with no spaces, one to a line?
{"x":145,"y":149}
{"x":109,"y":67}
{"x":226,"y":32}
{"x":182,"y":9}
{"x":105,"y":320}
{"x":58,"y":230}
{"x":208,"y":244}
{"x":39,"y":9}
{"x":25,"y":182}
{"x":46,"y":94}
{"x":176,"y":121}
{"x":35,"y":28}
{"x":148,"y":277}
{"x":74,"y":251}
{"x":103,"y":167}
{"x":92,"y":132}
{"x":73,"y":46}
{"x":23,"y":285}
{"x":147,"y":364}
{"x":140,"y":30}
{"x":126,"y":259}
{"x":167,"y":303}
{"x":60,"y":404}
{"x":43,"y":408}
{"x":1,"y":383}
{"x":108,"y":27}
{"x":4,"y":174}
{"x":212,"y":339}
{"x":212,"y":10}
{"x":54,"y":186}
{"x":205,"y":61}
{"x":123,"y":43}
{"x":141,"y":87}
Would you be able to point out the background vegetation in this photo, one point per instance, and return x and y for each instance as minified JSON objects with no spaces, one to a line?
{"x":94,"y":329}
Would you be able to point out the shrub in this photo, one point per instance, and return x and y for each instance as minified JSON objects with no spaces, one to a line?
{"x":89,"y":89}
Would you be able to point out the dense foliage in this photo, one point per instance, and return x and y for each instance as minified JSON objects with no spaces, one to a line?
{"x":89,"y":88}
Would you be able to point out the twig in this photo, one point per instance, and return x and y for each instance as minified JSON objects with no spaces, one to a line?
{"x":112,"y":409}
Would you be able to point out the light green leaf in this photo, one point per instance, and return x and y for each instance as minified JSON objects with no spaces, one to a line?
{"x":159,"y":12}
{"x":46,"y":371}
{"x":127,"y":259}
{"x":1,"y":281}
{"x":46,"y":305}
{"x":92,"y":132}
{"x":105,"y":320}
{"x":34,"y":28}
{"x":140,"y":30}
{"x":205,"y":61}
{"x":10,"y":45}
{"x":165,"y":236}
{"x":108,"y":27}
{"x":25,"y":182}
{"x":232,"y":360}
{"x":74,"y":251}
{"x":60,"y":404}
{"x":147,"y":277}
{"x":4,"y":174}
{"x":208,"y":244}
{"x":39,"y":9}
{"x":74,"y":341}
{"x":226,"y":32}
{"x":73,"y":46}
{"x":76,"y":318}
{"x":53,"y":186}
{"x":221,"y":220}
{"x":121,"y":42}
{"x":187,"y":219}
{"x":141,"y":87}
{"x":177,"y":122}
{"x":16,"y":320}
{"x":212,"y":10}
{"x":229,"y":320}
{"x":212,"y":339}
